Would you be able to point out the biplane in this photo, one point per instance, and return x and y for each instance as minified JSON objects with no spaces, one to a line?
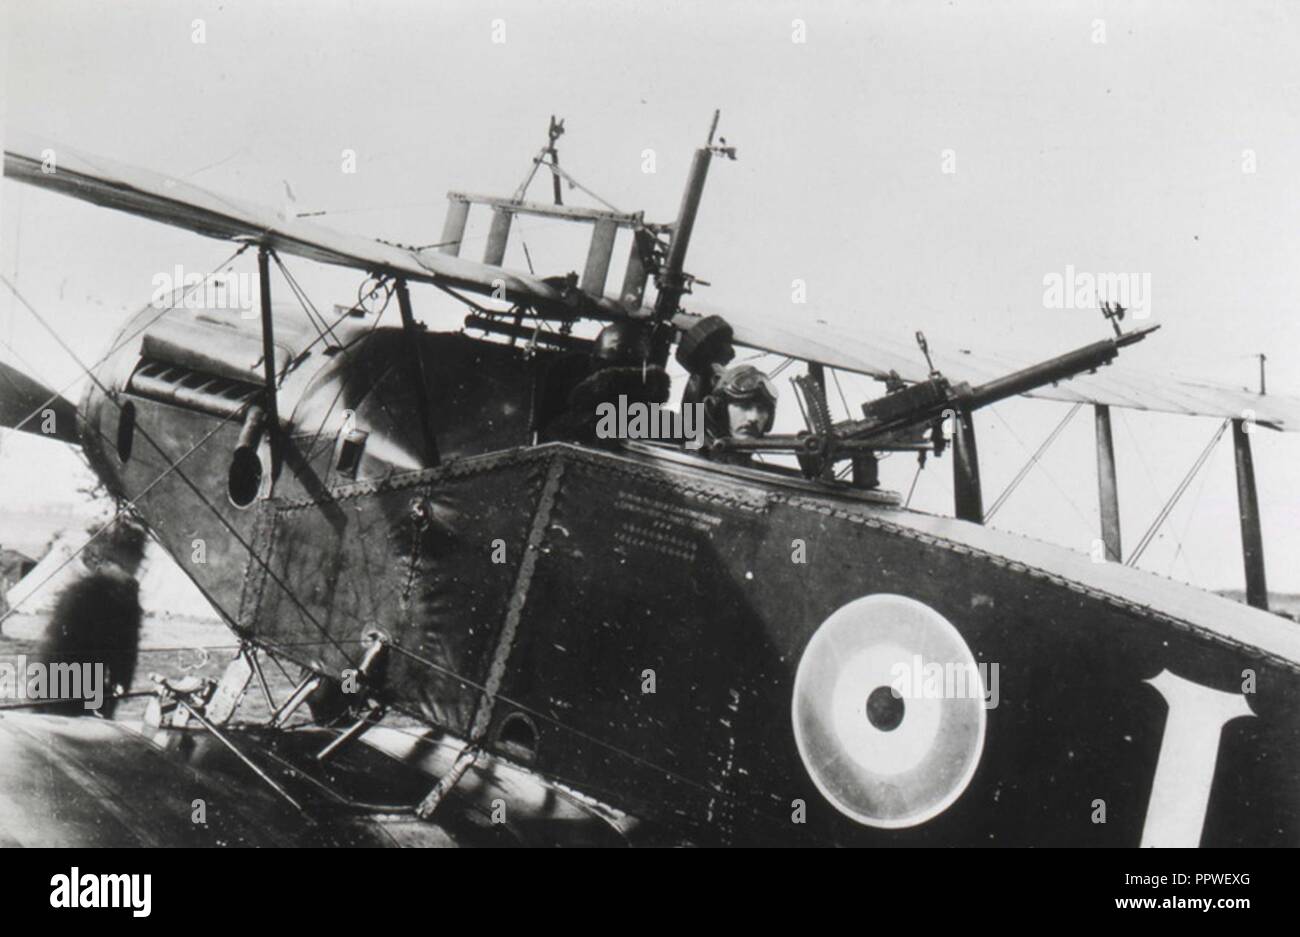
{"x":506,"y":639}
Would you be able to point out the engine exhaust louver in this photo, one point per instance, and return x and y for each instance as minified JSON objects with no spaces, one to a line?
{"x":185,"y":387}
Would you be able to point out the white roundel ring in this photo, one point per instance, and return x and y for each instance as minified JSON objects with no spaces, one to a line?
{"x":888,"y":711}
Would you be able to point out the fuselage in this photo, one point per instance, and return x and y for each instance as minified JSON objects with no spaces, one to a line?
{"x":636,"y":623}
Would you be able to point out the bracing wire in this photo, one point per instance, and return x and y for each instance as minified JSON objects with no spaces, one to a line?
{"x":189,"y":483}
{"x":1033,"y":460}
{"x":1151,"y":532}
{"x":329,"y":637}
{"x":117,"y":346}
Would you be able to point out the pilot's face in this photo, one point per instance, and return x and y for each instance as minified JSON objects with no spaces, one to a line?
{"x":748,"y":417}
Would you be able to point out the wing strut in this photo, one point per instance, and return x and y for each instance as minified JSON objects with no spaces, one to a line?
{"x":1252,"y":538}
{"x":268,"y":359}
{"x":417,"y":372}
{"x":1107,"y":485}
{"x":967,"y":496}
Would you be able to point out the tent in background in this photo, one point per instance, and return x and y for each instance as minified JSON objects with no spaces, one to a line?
{"x":14,"y":565}
{"x":165,"y":590}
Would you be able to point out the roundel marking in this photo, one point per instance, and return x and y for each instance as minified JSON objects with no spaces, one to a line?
{"x":888,"y":738}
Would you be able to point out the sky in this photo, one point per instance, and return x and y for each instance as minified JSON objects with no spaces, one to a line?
{"x":920,"y":165}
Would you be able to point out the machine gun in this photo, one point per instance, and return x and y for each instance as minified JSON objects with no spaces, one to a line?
{"x":899,"y":420}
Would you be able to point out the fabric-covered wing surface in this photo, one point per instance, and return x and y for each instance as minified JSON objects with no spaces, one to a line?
{"x":172,"y":201}
{"x":175,"y":202}
{"x":1114,"y":385}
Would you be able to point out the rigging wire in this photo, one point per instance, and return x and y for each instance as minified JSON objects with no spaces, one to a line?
{"x":1050,"y":476}
{"x":1146,"y":469}
{"x":1191,"y":514}
{"x":836,"y":378}
{"x":517,"y":704}
{"x":920,"y":464}
{"x":1149,"y":536}
{"x":77,"y":450}
{"x":178,"y":648}
{"x":230,"y":528}
{"x":129,"y":505}
{"x":1033,"y":460}
{"x":305,"y":301}
{"x":177,"y":298}
{"x":523,"y":242}
{"x":53,"y":701}
{"x":117,"y":346}
{"x":1142,"y":459}
{"x":573,"y":730}
{"x":330,"y":639}
{"x":574,"y":183}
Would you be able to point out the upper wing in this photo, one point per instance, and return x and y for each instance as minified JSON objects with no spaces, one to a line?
{"x":1114,"y":385}
{"x":172,"y":201}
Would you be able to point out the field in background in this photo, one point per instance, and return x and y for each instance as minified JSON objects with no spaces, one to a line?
{"x":171,"y":647}
{"x":1279,"y":603}
{"x":175,"y":647}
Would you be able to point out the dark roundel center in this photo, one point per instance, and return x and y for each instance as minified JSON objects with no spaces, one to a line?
{"x":885,"y":708}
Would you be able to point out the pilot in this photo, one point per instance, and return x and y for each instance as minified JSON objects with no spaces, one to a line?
{"x":742,"y":404}
{"x":621,"y":364}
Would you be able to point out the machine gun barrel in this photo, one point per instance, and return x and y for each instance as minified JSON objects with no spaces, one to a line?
{"x":1087,"y":358}
{"x":927,"y":401}
{"x":923,"y":403}
{"x":672,"y":281}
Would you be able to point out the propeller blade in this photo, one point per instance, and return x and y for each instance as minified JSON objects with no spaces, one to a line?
{"x":28,"y":405}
